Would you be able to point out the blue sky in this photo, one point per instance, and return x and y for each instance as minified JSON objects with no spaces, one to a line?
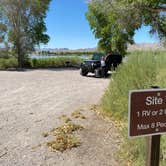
{"x":68,"y":27}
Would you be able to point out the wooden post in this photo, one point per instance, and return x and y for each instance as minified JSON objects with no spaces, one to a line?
{"x":153,"y":150}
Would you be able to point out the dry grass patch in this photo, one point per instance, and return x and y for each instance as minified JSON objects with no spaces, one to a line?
{"x":98,"y":111}
{"x":65,"y":119}
{"x":94,"y":108}
{"x":64,"y":137}
{"x":107,"y":117}
{"x":77,"y":114}
{"x":63,"y":142}
{"x":67,"y":128}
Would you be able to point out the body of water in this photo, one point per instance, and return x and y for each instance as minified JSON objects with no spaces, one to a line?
{"x":35,"y":56}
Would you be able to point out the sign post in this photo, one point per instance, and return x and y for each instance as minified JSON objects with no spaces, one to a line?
{"x":153,"y":150}
{"x":147,"y":117}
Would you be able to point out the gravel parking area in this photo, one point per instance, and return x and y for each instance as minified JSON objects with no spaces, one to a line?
{"x":31,"y":103}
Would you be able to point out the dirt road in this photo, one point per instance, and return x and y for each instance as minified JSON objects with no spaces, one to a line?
{"x":30,"y":104}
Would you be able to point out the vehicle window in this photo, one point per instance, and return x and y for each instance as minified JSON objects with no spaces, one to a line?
{"x":97,"y":56}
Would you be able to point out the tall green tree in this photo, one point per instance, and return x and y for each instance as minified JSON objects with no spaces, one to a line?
{"x":153,"y":13}
{"x":22,"y":25}
{"x":114,"y":21}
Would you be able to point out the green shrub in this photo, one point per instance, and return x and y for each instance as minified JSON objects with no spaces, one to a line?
{"x":54,"y":62}
{"x":8,"y":63}
{"x":142,"y":70}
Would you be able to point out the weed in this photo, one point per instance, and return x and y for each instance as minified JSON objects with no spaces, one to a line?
{"x":67,"y":128}
{"x":77,"y":114}
{"x":94,"y":108}
{"x":64,"y":138}
{"x":65,"y":119}
{"x":63,"y":141}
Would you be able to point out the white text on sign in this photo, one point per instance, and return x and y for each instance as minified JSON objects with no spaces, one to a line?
{"x":153,"y":100}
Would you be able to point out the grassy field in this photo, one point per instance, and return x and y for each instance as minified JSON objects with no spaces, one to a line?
{"x":142,"y":70}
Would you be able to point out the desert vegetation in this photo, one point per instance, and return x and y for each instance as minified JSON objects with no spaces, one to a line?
{"x":12,"y":63}
{"x":142,"y":70}
{"x":55,"y":62}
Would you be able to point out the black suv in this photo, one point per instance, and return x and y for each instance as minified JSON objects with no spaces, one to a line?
{"x":94,"y":65}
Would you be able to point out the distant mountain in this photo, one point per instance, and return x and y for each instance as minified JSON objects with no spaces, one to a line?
{"x":137,"y":46}
{"x":146,"y":46}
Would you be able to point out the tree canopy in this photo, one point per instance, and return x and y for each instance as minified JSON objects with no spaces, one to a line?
{"x":22,"y":25}
{"x":114,"y":21}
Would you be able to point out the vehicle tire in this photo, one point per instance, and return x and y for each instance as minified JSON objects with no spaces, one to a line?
{"x":83,"y":72}
{"x":98,"y":73}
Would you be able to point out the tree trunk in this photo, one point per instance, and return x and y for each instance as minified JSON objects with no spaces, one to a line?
{"x":20,"y":55}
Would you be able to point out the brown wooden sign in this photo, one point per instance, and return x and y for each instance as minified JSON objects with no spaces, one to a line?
{"x":147,"y":112}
